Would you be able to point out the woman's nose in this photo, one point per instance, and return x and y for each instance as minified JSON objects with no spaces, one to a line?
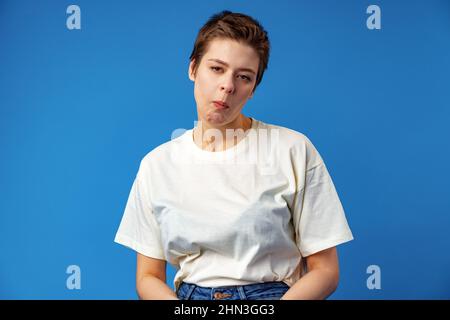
{"x":228,"y":85}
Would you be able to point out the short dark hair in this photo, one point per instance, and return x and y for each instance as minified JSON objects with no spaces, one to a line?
{"x":235,"y":26}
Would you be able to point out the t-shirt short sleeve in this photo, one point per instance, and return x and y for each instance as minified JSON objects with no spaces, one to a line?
{"x":318,"y":217}
{"x":138,"y":228}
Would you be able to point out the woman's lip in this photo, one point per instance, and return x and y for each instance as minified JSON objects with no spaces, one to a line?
{"x":219,"y":105}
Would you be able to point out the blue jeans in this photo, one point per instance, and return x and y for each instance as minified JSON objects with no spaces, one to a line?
{"x":256,"y":291}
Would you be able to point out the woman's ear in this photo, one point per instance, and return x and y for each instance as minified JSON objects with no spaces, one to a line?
{"x":251,"y":94}
{"x":191,"y":70}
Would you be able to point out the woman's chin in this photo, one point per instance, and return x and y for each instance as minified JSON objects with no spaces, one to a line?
{"x":215,"y":118}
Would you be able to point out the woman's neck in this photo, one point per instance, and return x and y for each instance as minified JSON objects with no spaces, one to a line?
{"x":220,"y":138}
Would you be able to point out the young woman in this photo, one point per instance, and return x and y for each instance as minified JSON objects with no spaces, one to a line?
{"x":243,"y":209}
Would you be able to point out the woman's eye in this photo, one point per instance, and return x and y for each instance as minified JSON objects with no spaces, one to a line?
{"x":216,"y":68}
{"x":246,"y":78}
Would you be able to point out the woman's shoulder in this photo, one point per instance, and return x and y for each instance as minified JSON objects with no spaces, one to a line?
{"x":288,"y":137}
{"x":167,"y":150}
{"x":293,"y":142}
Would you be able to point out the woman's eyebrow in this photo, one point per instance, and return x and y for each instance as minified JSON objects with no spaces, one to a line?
{"x":226,"y":64}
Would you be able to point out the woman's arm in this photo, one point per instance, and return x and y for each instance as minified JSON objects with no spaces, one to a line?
{"x":320,"y":281}
{"x":151,"y":279}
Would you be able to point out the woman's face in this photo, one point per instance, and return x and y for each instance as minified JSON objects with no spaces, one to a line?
{"x":227,"y":73}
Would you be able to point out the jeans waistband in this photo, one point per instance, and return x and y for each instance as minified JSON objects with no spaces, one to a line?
{"x":242,"y":292}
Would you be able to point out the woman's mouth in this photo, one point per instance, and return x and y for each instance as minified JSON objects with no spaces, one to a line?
{"x":220,"y":105}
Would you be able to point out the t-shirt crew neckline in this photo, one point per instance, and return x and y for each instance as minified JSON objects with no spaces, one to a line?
{"x":220,"y":155}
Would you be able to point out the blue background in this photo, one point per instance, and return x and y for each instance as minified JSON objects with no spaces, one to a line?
{"x":80,"y":108}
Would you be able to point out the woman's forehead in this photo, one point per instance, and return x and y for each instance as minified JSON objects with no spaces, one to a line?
{"x":232,"y":53}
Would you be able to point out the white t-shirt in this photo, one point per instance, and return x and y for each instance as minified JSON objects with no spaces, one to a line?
{"x":245,"y":215}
